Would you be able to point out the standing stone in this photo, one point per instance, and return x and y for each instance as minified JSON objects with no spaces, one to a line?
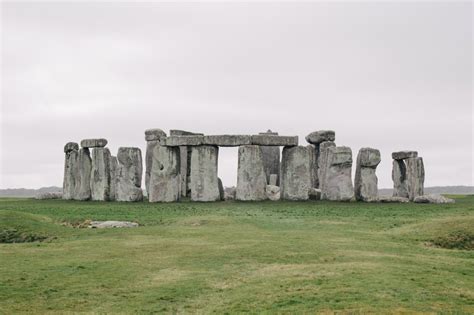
{"x":221,"y":189}
{"x":251,"y":178}
{"x":322,"y":153}
{"x":70,"y":168}
{"x":366,"y":182}
{"x":153,"y":137}
{"x":313,"y":159}
{"x":295,"y":173}
{"x":316,"y":138}
{"x":271,"y":158}
{"x":204,"y":183}
{"x":100,"y":174}
{"x":415,"y":177}
{"x":113,"y":177}
{"x":82,"y":189}
{"x":273,"y":180}
{"x":399,"y":179}
{"x":165,"y":179}
{"x":338,"y":177}
{"x":129,"y":175}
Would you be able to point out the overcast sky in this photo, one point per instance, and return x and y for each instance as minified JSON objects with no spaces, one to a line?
{"x":390,"y":76}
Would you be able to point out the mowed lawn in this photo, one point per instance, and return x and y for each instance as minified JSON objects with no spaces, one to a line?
{"x":230,"y":257}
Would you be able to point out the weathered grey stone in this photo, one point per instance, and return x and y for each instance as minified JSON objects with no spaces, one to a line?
{"x":314,"y":194}
{"x":404,"y":155}
{"x":177,"y":132}
{"x":150,"y":146}
{"x":71,"y":146}
{"x":273,"y":181}
{"x":251,"y":178}
{"x":271,"y":159}
{"x":93,"y":143}
{"x":113,"y":177}
{"x":155,"y":134}
{"x":129,"y":175}
{"x":366,"y":182}
{"x":204,"y":183}
{"x":273,"y":192}
{"x":229,"y":193}
{"x":176,"y":141}
{"x":49,"y":195}
{"x":399,"y":179}
{"x":433,"y":198}
{"x":226,"y":140}
{"x":272,"y":140}
{"x":82,"y":189}
{"x":70,"y":173}
{"x":295,"y":173}
{"x":112,"y":224}
{"x":338,"y":185}
{"x":221,"y":189}
{"x":100,"y":174}
{"x":316,"y":137}
{"x":313,"y":159}
{"x":415,"y":177}
{"x":322,"y":162}
{"x":388,"y":199}
{"x":165,"y":179}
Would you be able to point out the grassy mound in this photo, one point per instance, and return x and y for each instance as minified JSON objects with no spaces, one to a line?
{"x":456,"y":240}
{"x":17,"y":227}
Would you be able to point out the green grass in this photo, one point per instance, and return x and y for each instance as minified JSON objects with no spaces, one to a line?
{"x":231,"y":257}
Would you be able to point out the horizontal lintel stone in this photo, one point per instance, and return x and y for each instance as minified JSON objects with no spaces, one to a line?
{"x":271,"y":140}
{"x":227,"y":140}
{"x":93,"y":143}
{"x":401,"y":155}
{"x":174,"y":141}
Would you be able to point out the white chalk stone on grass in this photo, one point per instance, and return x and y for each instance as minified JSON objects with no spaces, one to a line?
{"x":433,"y":198}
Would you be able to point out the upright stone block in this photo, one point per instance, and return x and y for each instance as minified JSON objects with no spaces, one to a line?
{"x":313,"y":159}
{"x":129,"y":175}
{"x":271,"y":159}
{"x":338,"y":177}
{"x":165,"y":179}
{"x":415,"y":177}
{"x":204,"y":183}
{"x":82,"y":189}
{"x":100,"y":174}
{"x":113,"y":177}
{"x":399,"y":177}
{"x":251,"y":178}
{"x":153,"y":137}
{"x":366,"y":182}
{"x":295,"y":173}
{"x":322,"y":161}
{"x":70,"y":170}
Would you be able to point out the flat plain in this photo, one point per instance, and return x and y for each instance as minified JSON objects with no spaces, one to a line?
{"x":232,"y":257}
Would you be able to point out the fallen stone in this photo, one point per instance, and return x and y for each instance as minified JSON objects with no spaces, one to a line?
{"x":155,"y":134}
{"x":314,"y":194}
{"x":100,"y":174}
{"x":433,"y":198}
{"x":82,"y":190}
{"x":338,"y":186}
{"x":251,"y":178}
{"x":112,"y":224}
{"x":404,"y":155}
{"x":71,"y":146}
{"x":273,"y":180}
{"x":316,"y":137}
{"x":415,"y":177}
{"x":366,"y":182}
{"x":93,"y":143}
{"x":129,"y":175}
{"x":272,"y":192}
{"x":165,"y":179}
{"x":49,"y":195}
{"x":176,"y":141}
{"x":272,"y":140}
{"x":295,"y":179}
{"x":221,"y":189}
{"x":204,"y":183}
{"x":388,"y":199}
{"x":226,"y":140}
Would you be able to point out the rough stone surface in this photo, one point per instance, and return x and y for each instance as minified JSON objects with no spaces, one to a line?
{"x":100,"y":174}
{"x":388,"y":199}
{"x":273,"y":192}
{"x":433,"y":198}
{"x":338,"y":179}
{"x":322,"y":162}
{"x":399,"y":179}
{"x":204,"y":183}
{"x":221,"y":189}
{"x":129,"y":175}
{"x":176,"y":141}
{"x":273,"y":180}
{"x":415,"y":177}
{"x":295,"y":179}
{"x":112,"y":224}
{"x":113,"y":177}
{"x":313,"y":159}
{"x":155,"y":134}
{"x":70,"y":174}
{"x":251,"y":178}
{"x":71,"y":146}
{"x":400,"y":155}
{"x":366,"y":182}
{"x":316,"y":137}
{"x":165,"y":179}
{"x":272,"y":140}
{"x":314,"y":194}
{"x":226,"y":140}
{"x":229,"y":193}
{"x":93,"y":143}
{"x":271,"y":159}
{"x":150,"y":146}
{"x":82,"y":183}
{"x":178,"y":132}
{"x":49,"y":195}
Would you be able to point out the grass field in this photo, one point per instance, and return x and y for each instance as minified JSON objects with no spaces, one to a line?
{"x":230,"y":257}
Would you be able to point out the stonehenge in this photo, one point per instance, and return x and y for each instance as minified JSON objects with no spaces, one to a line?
{"x":270,"y":167}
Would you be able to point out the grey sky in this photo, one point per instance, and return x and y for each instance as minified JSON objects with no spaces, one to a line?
{"x":386,"y":75}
